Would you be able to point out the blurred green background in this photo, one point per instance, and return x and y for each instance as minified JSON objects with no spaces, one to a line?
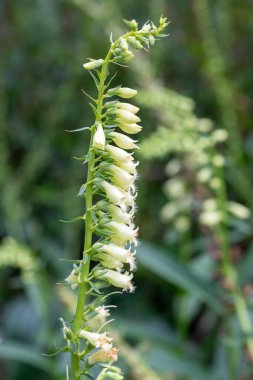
{"x":180,"y":323}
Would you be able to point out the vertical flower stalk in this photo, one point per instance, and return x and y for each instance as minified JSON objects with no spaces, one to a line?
{"x":110,"y":233}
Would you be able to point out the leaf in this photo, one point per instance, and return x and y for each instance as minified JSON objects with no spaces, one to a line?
{"x":77,"y":130}
{"x":74,"y":219}
{"x":166,"y":266}
{"x":90,"y":97}
{"x":165,"y":362}
{"x":88,"y":376}
{"x":93,"y":109}
{"x":24,"y":353}
{"x":94,"y":78}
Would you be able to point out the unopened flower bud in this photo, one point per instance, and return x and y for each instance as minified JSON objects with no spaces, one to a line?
{"x":128,"y":107}
{"x":93,"y":64}
{"x":130,"y":128}
{"x":126,"y":116}
{"x":123,"y":141}
{"x":123,"y":92}
{"x":134,"y":42}
{"x":99,"y":137}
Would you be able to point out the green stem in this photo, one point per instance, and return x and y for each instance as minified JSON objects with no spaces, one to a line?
{"x":228,"y":268}
{"x":82,"y":291}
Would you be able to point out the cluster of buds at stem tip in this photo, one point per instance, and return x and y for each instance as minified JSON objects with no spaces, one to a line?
{"x":112,"y":172}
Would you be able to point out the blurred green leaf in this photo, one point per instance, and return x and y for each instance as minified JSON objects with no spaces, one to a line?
{"x":165,"y":265}
{"x":168,"y":362}
{"x":24,"y":353}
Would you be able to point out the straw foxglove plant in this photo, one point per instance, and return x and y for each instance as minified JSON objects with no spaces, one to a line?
{"x":110,"y":234}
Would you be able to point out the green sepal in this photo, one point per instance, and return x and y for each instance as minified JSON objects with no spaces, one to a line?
{"x":93,"y":216}
{"x":94,"y":78}
{"x":95,"y":288}
{"x":71,"y":261}
{"x":82,"y":190}
{"x":88,"y":96}
{"x":110,"y":81}
{"x":63,"y":349}
{"x":77,"y":130}
{"x":93,"y":109}
{"x":74,"y":219}
{"x":85,"y":258}
{"x":88,"y":376}
{"x":86,"y":158}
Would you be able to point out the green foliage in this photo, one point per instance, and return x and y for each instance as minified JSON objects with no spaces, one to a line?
{"x":203,"y":71}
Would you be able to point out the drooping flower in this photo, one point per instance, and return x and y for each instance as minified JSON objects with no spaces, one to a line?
{"x":122,"y":231}
{"x":113,"y":193}
{"x":118,"y":154}
{"x":97,"y":340}
{"x":120,"y":280}
{"x":124,"y":116}
{"x":73,"y":278}
{"x":120,"y":253}
{"x":103,"y":356}
{"x":130,"y":128}
{"x":123,"y":141}
{"x":128,"y":107}
{"x":121,"y":177}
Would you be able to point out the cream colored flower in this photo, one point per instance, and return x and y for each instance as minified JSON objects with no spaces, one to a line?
{"x":120,"y":253}
{"x":128,"y":107}
{"x":99,"y":137}
{"x":129,"y":166}
{"x":122,"y":231}
{"x":125,"y":92}
{"x":130,"y":128}
{"x":93,"y":64}
{"x":113,"y":193}
{"x":97,"y":340}
{"x":121,"y":177}
{"x":123,"y":141}
{"x":120,"y":280}
{"x":118,"y":214}
{"x":126,"y":117}
{"x":73,"y":278}
{"x":103,"y":356}
{"x":118,"y":154}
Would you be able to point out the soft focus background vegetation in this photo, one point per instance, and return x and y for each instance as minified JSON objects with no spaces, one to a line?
{"x":180,"y":323}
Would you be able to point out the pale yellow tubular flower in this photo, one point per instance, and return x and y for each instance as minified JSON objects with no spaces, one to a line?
{"x":123,"y":141}
{"x":97,"y":340}
{"x":126,"y":117}
{"x":122,"y":231}
{"x":103,"y":356}
{"x":121,"y":177}
{"x":128,"y":107}
{"x":130,"y":128}
{"x":93,"y":64}
{"x":113,"y":193}
{"x":120,"y":280}
{"x":126,"y":92}
{"x":99,"y":137}
{"x":118,"y":154}
{"x":119,"y":215}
